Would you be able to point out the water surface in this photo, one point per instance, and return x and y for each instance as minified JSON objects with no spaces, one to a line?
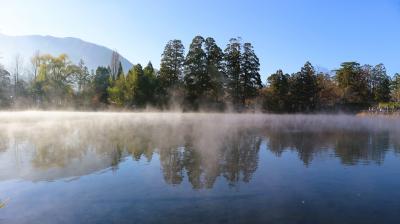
{"x":61,"y":167}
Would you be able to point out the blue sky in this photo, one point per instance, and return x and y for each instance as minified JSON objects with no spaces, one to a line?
{"x":285,"y":33}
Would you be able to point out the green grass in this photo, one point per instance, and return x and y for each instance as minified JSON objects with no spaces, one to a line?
{"x":390,"y":105}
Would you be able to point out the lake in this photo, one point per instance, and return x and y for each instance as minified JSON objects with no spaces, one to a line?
{"x":78,"y":167}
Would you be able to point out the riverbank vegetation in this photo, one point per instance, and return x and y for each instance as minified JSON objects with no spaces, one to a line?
{"x":206,"y":77}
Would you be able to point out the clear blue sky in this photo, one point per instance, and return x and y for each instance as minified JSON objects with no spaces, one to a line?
{"x":285,"y":33}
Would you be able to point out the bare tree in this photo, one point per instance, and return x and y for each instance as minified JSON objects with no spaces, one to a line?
{"x":114,"y":65}
{"x":35,"y":63}
{"x":82,"y":76}
{"x":18,"y":65}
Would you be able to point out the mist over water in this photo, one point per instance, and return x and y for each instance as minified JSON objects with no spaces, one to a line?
{"x":52,"y":145}
{"x":71,"y":161}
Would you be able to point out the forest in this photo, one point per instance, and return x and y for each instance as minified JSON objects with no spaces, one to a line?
{"x":205,"y":78}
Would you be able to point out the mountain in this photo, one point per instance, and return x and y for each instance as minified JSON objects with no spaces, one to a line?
{"x":93,"y":55}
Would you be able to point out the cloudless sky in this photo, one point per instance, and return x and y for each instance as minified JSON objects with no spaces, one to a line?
{"x":285,"y":33}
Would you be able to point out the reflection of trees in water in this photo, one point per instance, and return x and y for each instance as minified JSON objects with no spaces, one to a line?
{"x":306,"y":144}
{"x":236,"y":159}
{"x":172,"y":165}
{"x":116,"y":156}
{"x":395,"y":142}
{"x":350,"y":147}
{"x":53,"y":149}
{"x":192,"y":161}
{"x":240,"y":157}
{"x":201,"y":154}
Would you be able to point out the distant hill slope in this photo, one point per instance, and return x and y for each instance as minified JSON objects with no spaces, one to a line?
{"x":94,"y":55}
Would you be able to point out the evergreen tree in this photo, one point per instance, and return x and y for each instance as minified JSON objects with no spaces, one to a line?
{"x":249,"y":77}
{"x":5,"y":87}
{"x":353,"y":84}
{"x":276,"y":97}
{"x":380,"y":84}
{"x":101,"y":83}
{"x":215,"y":68}
{"x":149,"y":84}
{"x":171,"y":66}
{"x":304,"y":89}
{"x":133,"y":93}
{"x":120,"y":70}
{"x":197,"y":82}
{"x":149,"y":69}
{"x":233,"y":70}
{"x":170,"y":74}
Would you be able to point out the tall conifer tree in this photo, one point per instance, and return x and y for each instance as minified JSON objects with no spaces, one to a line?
{"x":196,"y":79}
{"x":215,"y":68}
{"x":233,"y":70}
{"x":250,"y":76}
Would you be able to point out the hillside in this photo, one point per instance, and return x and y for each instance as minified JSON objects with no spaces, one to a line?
{"x":93,"y":54}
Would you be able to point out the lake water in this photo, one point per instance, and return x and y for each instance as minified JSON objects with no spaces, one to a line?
{"x":61,"y":167}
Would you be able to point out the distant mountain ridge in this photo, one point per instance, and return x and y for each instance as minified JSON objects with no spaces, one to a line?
{"x":93,"y":54}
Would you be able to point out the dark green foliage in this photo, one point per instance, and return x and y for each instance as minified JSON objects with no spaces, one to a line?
{"x":146,"y":84}
{"x":171,"y":67}
{"x":250,"y":77}
{"x":133,"y":92}
{"x":215,"y":69}
{"x":101,"y":82}
{"x":304,"y":89}
{"x":277,"y":92}
{"x":232,"y":67}
{"x":354,"y":85}
{"x":5,"y":87}
{"x":140,"y":85}
{"x":171,"y":72}
{"x":242,"y":67}
{"x":197,"y":81}
{"x":120,"y":70}
{"x":150,"y":85}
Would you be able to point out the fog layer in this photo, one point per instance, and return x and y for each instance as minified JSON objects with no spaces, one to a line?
{"x":51,"y":145}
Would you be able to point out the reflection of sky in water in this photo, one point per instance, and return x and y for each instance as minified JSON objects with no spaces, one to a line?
{"x":187,"y":168}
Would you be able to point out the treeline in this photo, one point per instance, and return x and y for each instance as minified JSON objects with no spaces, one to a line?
{"x":352,"y":87}
{"x":205,"y":78}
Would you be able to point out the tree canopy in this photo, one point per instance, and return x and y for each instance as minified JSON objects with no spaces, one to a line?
{"x":206,"y":77}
